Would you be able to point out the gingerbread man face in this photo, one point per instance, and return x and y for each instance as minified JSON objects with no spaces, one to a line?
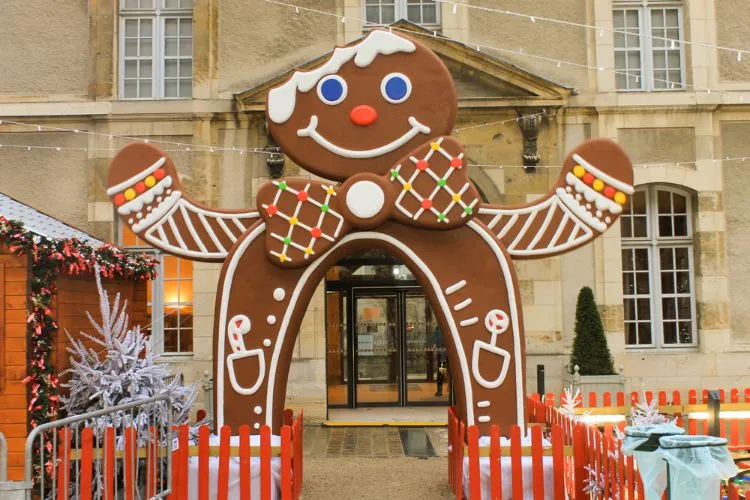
{"x":364,"y":108}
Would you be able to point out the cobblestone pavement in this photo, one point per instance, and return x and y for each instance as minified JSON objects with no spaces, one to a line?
{"x":375,"y":442}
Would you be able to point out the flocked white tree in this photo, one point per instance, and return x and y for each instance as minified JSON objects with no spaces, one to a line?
{"x":120,"y":368}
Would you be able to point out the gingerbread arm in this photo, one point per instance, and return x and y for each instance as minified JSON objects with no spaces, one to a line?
{"x":144,"y":186}
{"x":595,"y":183}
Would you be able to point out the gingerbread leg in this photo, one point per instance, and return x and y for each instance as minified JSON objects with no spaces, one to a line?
{"x":466,"y":274}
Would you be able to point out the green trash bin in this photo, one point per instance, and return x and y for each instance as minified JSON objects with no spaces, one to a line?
{"x":696,"y":465}
{"x":642,"y":442}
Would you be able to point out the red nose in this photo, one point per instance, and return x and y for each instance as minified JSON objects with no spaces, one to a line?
{"x":363,"y":115}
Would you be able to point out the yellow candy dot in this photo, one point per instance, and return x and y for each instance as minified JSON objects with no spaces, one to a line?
{"x":129,"y":194}
{"x":407,"y":187}
{"x":330,"y":190}
{"x":598,"y":185}
{"x":309,"y":251}
{"x":456,"y":197}
{"x":150,"y":181}
{"x":283,"y":257}
{"x":579,"y":171}
{"x":435,"y":146}
{"x":293,"y":221}
{"x":620,"y":198}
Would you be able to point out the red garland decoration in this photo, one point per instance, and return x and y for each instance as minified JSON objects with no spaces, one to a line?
{"x":50,"y":257}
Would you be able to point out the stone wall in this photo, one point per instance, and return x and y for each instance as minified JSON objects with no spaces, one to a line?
{"x":731,"y":16}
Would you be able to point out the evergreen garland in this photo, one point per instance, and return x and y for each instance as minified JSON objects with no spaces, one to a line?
{"x":49,"y":258}
{"x":590,"y":349}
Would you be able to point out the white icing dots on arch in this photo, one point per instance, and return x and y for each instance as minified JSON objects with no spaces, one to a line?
{"x":271,"y":319}
{"x":279,"y":294}
{"x":256,"y":426}
{"x":258,"y":410}
{"x":267,"y":342}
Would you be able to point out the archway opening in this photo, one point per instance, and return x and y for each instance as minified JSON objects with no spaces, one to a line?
{"x":384,"y":346}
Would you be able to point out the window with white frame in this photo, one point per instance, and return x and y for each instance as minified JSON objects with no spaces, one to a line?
{"x":169,"y":300}
{"x":648,"y":52}
{"x":156,"y":49}
{"x":657,"y":269}
{"x":424,"y":12}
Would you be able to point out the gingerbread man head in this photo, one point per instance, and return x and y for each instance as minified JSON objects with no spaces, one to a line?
{"x":364,"y":108}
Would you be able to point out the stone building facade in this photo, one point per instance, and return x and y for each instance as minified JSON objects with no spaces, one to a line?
{"x":671,"y":286}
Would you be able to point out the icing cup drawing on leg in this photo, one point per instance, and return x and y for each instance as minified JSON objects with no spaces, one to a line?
{"x":373,"y":119}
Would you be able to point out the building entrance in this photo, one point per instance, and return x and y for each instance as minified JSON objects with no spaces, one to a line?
{"x":384,"y":346}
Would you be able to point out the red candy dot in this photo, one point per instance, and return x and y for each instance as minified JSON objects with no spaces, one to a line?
{"x":609,"y":192}
{"x":421,"y":165}
{"x":456,"y":162}
{"x":140,"y":187}
{"x":271,"y":210}
{"x":159,"y":174}
{"x":302,"y":196}
{"x":119,"y":199}
{"x":588,"y":178}
{"x":426,"y":204}
{"x":316,"y":232}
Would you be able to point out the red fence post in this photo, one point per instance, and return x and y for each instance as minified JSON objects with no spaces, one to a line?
{"x":579,"y":462}
{"x":537,"y":464}
{"x":222,"y":491}
{"x":109,"y":464}
{"x":475,"y":480}
{"x":203,"y":457}
{"x":129,"y":465}
{"x":245,"y":472}
{"x":460,"y":461}
{"x":558,"y":462}
{"x":496,"y":472}
{"x":516,"y":468}
{"x":265,"y":463}
{"x":63,"y":468}
{"x":153,"y":442}
{"x":286,"y":463}
{"x":87,"y":443}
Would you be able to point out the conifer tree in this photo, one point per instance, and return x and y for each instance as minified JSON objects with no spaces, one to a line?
{"x":590,"y":349}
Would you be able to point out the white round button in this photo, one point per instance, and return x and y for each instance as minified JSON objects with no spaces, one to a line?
{"x":365,"y":199}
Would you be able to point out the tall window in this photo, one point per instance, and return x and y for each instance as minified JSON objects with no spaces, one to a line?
{"x":425,"y":12}
{"x":657,"y":269}
{"x":648,"y":52}
{"x":156,"y":49}
{"x":170,"y":300}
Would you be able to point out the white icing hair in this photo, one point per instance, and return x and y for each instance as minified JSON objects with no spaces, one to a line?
{"x":282,"y":99}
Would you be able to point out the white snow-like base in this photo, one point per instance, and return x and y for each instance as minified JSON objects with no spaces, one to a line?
{"x":234,"y":471}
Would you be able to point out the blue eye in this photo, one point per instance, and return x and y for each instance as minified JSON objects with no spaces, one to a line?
{"x":332,"y":89}
{"x":396,"y":88}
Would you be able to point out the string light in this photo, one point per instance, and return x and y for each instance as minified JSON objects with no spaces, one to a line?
{"x":586,"y":26}
{"x":479,"y":47}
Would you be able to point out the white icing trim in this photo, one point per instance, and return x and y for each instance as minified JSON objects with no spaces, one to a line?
{"x":385,"y":80}
{"x":245,"y":391}
{"x":455,"y":287}
{"x":493,"y":349}
{"x":271,"y":319}
{"x":191,"y":229}
{"x":580,"y":211}
{"x":311,"y":131}
{"x":543,"y":228}
{"x":483,"y":419}
{"x":591,"y":194}
{"x":469,"y":321}
{"x":145,"y":198}
{"x":158,"y":212}
{"x":616,"y":183}
{"x":524,"y":230}
{"x":176,"y":232}
{"x":560,"y":229}
{"x":514,"y":315}
{"x":365,"y":199}
{"x":462,"y":305}
{"x":137,"y":177}
{"x":282,"y":99}
{"x":507,"y":227}
{"x":279,"y":294}
{"x":211,"y":234}
{"x":483,"y":404}
{"x":226,"y":230}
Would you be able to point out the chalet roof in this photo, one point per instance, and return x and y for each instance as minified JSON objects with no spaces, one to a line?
{"x":42,"y":224}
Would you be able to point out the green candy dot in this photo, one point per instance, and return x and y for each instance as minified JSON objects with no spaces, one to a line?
{"x":441,"y":217}
{"x":468,"y":210}
{"x":287,"y":241}
{"x":282,"y":185}
{"x":324,"y":208}
{"x":442,"y":182}
{"x":394,"y":174}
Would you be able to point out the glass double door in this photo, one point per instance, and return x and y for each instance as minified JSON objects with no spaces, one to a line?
{"x":397,"y":350}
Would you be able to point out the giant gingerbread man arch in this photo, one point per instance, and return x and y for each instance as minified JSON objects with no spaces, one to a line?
{"x":374,"y":119}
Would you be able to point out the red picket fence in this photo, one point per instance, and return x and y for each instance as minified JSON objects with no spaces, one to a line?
{"x":289,"y":452}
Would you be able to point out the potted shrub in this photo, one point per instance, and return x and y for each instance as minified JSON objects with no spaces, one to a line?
{"x":591,"y":368}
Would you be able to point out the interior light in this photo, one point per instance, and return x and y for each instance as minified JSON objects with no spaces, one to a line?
{"x":727,"y":415}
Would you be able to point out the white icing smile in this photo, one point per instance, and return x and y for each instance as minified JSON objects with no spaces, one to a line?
{"x":311,"y":131}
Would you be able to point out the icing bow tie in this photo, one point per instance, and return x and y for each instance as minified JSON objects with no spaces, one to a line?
{"x":429,"y":188}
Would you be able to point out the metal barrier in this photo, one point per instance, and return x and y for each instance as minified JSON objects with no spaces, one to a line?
{"x":110,"y":435}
